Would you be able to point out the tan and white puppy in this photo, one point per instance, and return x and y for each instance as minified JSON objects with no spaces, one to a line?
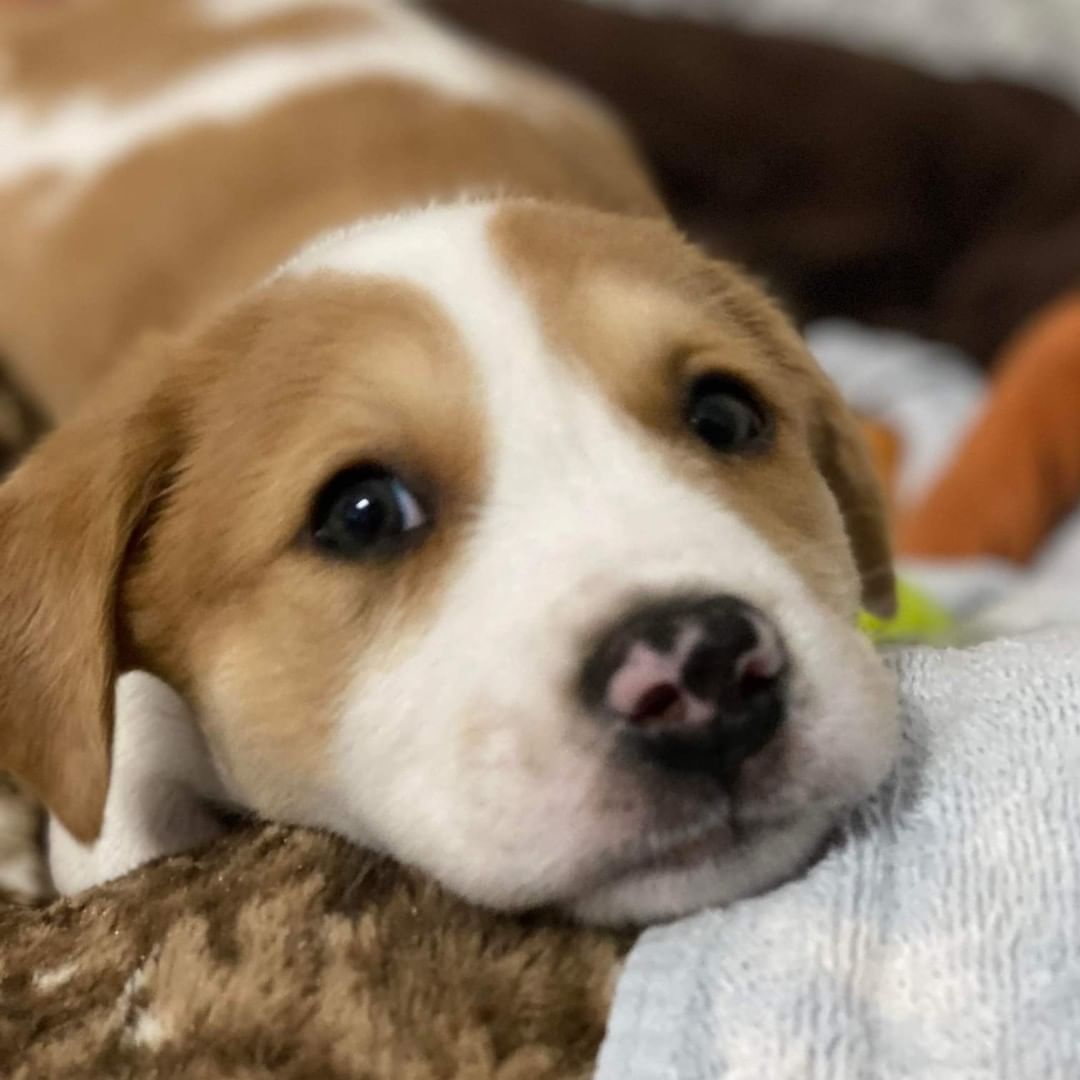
{"x":429,"y":486}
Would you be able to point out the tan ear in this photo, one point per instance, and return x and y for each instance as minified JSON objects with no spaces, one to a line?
{"x":844,"y":460}
{"x":67,"y":517}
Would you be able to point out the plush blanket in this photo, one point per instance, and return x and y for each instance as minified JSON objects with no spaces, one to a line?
{"x":939,"y":939}
{"x":286,"y":953}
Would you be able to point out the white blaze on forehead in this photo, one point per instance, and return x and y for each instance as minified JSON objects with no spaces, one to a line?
{"x":463,"y":750}
{"x":558,"y":441}
{"x":86,"y":133}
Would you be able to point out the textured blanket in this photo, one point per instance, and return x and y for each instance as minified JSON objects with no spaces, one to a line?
{"x":939,"y":939}
{"x":286,"y":953}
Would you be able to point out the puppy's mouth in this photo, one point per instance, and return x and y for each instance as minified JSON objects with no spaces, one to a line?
{"x":686,"y":854}
{"x":701,"y":821}
{"x":719,"y":861}
{"x":717,"y":838}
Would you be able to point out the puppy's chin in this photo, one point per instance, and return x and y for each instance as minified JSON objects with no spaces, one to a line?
{"x":685,"y":879}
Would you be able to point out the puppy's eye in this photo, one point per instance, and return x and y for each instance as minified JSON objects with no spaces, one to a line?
{"x":726,"y":414}
{"x":365,"y":511}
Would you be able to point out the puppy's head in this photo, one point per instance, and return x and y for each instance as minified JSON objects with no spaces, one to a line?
{"x":523,"y":543}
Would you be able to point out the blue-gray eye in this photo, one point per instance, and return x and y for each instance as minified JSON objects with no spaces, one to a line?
{"x":726,"y":414}
{"x":365,"y":511}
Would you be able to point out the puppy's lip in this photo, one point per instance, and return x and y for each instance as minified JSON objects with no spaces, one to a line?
{"x":712,"y":841}
{"x":683,"y":856}
{"x":683,"y":851}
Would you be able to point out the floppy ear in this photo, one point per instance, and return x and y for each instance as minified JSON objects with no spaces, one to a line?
{"x":845,"y":462}
{"x":67,"y":518}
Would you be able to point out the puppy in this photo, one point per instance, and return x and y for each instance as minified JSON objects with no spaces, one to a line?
{"x":412,"y":478}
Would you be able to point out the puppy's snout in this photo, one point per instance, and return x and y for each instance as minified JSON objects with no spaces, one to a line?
{"x":694,"y":684}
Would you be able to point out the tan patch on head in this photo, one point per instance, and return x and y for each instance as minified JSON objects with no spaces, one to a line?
{"x":647,"y":315}
{"x":345,"y":153}
{"x":228,"y":600}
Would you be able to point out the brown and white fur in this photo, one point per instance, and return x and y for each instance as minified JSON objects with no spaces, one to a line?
{"x":247,"y":243}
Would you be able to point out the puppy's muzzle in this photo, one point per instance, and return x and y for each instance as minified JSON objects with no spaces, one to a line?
{"x":694,"y":684}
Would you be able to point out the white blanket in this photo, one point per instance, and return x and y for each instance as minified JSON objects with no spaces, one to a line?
{"x":939,"y":940}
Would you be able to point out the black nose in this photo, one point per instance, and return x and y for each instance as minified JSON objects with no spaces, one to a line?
{"x":695,"y":684}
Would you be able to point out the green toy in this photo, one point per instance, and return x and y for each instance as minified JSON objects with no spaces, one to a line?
{"x":918,"y":620}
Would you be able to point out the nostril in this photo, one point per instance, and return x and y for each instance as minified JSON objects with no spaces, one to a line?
{"x":660,"y":706}
{"x":766,"y":660}
{"x":641,"y":683}
{"x":751,"y":684}
{"x":734,"y":662}
{"x":757,"y":667}
{"x":758,"y":671}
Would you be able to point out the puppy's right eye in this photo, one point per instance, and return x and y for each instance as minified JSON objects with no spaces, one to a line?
{"x":726,"y":415}
{"x":365,"y":511}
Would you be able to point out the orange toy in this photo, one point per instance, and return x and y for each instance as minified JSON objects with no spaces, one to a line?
{"x":1017,"y":474}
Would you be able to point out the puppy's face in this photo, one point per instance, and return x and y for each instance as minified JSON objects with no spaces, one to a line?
{"x":524,"y":544}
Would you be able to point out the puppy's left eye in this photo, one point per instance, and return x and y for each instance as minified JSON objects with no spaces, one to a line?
{"x":365,"y":511}
{"x":726,"y":414}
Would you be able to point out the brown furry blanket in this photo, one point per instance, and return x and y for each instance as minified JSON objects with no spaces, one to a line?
{"x":288,"y":953}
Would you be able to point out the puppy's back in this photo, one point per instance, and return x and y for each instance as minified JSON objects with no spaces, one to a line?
{"x":161,"y":157}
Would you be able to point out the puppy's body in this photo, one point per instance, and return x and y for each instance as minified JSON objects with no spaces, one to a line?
{"x":160,"y":158}
{"x":506,"y":338}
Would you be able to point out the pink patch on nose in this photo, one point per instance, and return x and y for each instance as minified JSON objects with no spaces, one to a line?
{"x":648,"y":690}
{"x":643,"y":672}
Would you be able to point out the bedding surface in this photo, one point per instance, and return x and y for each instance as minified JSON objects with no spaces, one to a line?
{"x":938,"y":938}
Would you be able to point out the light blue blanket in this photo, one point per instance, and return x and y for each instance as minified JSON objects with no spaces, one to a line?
{"x":940,"y":940}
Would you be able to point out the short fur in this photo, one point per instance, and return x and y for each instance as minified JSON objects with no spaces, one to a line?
{"x":510,"y":323}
